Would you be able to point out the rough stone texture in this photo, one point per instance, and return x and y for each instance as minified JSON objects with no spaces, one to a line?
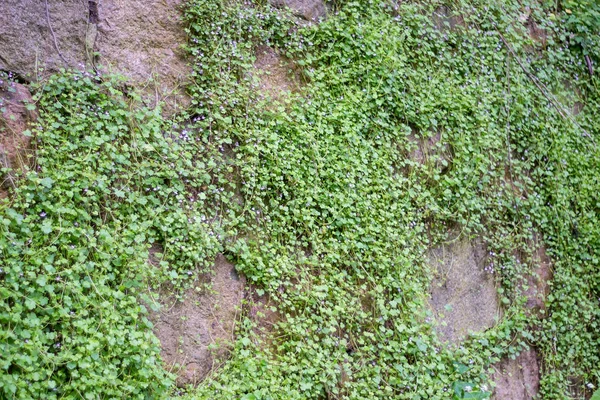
{"x":517,"y":379}
{"x":262,"y":313}
{"x":537,"y":33}
{"x":538,"y":282}
{"x":572,"y":103}
{"x":140,"y":39}
{"x":463,"y":294}
{"x":446,"y":20}
{"x":14,"y":118}
{"x":310,"y":10}
{"x":26,"y":40}
{"x":276,"y":76}
{"x":430,"y":149}
{"x":187,"y":329}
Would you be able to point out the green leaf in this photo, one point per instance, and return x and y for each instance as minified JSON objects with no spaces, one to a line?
{"x":46,"y":227}
{"x":30,"y":304}
{"x":47,"y":182}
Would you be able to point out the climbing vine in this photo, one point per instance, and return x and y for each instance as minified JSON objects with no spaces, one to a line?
{"x":413,"y":120}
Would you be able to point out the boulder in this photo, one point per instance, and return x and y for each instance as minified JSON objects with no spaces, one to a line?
{"x":14,"y":120}
{"x":140,"y":39}
{"x":429,"y":149}
{"x":310,"y":10}
{"x":196,"y":333}
{"x":48,"y":34}
{"x":517,"y":379}
{"x":446,"y":20}
{"x":463,"y":294}
{"x":538,"y":280}
{"x":276,"y":75}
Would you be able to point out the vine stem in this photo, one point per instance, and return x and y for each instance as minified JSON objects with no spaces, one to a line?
{"x":509,"y":149}
{"x":541,"y":86}
{"x":53,"y":35}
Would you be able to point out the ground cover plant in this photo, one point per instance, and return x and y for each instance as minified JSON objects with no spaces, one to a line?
{"x":320,"y":200}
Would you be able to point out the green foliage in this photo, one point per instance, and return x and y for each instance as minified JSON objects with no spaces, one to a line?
{"x":466,"y":390}
{"x":581,"y":19}
{"x":409,"y":125}
{"x":340,"y":213}
{"x":109,"y":181}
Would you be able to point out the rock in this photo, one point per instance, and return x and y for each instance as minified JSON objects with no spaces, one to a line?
{"x":28,"y":31}
{"x":446,"y":20}
{"x":524,"y":17}
{"x":537,"y":33}
{"x":140,"y":39}
{"x":276,"y":77}
{"x":14,"y":120}
{"x":262,"y":311}
{"x":188,"y":330}
{"x":429,"y":150}
{"x":538,"y":282}
{"x":517,"y":379}
{"x":462,"y":295}
{"x":573,"y":102}
{"x":310,"y":10}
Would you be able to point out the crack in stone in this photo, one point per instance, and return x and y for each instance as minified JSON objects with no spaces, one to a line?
{"x":93,"y":16}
